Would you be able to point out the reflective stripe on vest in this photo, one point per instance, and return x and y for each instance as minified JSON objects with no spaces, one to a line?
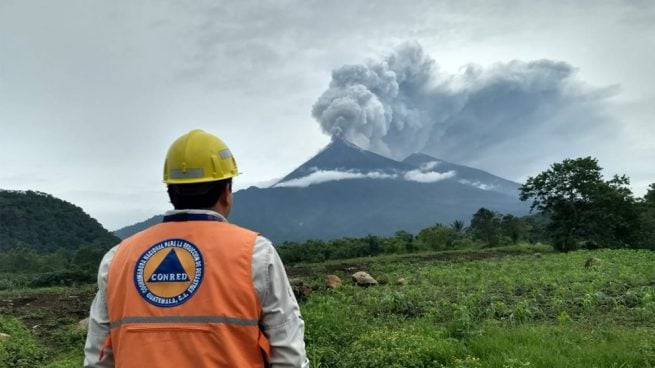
{"x":180,"y":294}
{"x":184,"y":319}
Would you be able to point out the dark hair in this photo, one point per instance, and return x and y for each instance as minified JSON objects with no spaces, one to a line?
{"x":197,"y":196}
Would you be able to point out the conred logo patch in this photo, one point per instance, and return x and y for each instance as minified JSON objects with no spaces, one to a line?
{"x":169,"y":272}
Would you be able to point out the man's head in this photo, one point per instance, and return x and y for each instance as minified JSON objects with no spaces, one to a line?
{"x":198,"y":170}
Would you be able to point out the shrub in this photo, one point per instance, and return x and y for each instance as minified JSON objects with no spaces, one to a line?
{"x":61,"y":278}
{"x":437,"y":237}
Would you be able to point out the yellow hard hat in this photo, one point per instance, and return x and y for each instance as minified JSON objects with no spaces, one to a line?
{"x":198,"y":157}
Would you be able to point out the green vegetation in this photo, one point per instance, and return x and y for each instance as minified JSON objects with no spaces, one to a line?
{"x":488,"y":229}
{"x":42,"y":325}
{"x":45,"y":241}
{"x":544,"y":310}
{"x":21,"y":348}
{"x":516,"y":306}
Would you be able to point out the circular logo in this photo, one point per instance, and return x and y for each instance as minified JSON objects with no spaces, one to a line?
{"x":169,"y":272}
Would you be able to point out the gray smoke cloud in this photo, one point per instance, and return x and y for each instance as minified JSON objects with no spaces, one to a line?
{"x":402,"y":104}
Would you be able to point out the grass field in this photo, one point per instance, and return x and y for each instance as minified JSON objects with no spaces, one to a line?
{"x":505,"y":308}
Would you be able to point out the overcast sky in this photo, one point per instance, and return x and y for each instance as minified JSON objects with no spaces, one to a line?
{"x":92,"y":93}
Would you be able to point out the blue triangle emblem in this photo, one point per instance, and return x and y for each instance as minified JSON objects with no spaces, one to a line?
{"x":169,"y":270}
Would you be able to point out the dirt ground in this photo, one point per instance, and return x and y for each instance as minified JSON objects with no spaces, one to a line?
{"x":459,"y":256}
{"x":42,"y":311}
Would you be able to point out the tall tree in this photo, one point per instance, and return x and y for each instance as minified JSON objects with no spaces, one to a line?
{"x":486,"y":226}
{"x":437,"y":237}
{"x":649,"y":198}
{"x":647,"y":219}
{"x":581,"y":205}
{"x":458,"y":226}
{"x":515,"y":228}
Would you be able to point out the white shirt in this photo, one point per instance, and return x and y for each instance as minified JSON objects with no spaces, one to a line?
{"x":280,"y":321}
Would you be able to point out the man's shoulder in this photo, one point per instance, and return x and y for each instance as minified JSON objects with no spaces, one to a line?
{"x":260,"y":240}
{"x":241,"y":229}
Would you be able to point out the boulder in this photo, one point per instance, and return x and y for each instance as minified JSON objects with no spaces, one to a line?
{"x":592,"y":261}
{"x":332,"y":282}
{"x":401,"y":281}
{"x":301,"y":289}
{"x":362,"y":278}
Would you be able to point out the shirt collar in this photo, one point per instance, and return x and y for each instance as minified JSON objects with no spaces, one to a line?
{"x":196,"y":212}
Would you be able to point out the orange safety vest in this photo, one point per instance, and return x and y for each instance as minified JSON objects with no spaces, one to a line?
{"x":181,"y":294}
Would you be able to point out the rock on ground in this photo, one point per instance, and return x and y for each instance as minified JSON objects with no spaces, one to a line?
{"x":332,"y":282}
{"x":362,"y":278}
{"x":301,"y":289}
{"x":592,"y":261}
{"x":83,"y":324}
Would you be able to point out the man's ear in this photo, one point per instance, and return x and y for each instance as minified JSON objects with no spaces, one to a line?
{"x":226,"y":196}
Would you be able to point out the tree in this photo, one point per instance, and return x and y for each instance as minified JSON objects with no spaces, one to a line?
{"x":486,"y":226}
{"x":374,"y":246}
{"x":649,"y":198}
{"x":538,"y":225}
{"x":647,"y":219}
{"x":458,"y":226}
{"x":581,"y":205}
{"x":405,"y":240}
{"x":88,"y":257}
{"x":437,"y":237}
{"x":515,"y":228}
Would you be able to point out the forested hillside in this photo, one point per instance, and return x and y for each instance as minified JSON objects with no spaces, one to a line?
{"x":44,"y":223}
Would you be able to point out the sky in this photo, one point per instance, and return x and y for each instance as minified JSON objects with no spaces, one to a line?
{"x":92,"y":93}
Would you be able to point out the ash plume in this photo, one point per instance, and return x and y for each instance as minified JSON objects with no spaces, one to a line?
{"x":401,"y":104}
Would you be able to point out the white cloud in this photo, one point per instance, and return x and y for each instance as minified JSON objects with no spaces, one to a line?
{"x":239,"y":185}
{"x":477,"y":184}
{"x":428,"y":177}
{"x":324,"y":176}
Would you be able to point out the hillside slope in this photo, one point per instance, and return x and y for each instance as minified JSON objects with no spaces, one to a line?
{"x":359,"y":207}
{"x":42,"y":222}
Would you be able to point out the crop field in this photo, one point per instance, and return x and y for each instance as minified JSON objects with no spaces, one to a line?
{"x":510,"y":307}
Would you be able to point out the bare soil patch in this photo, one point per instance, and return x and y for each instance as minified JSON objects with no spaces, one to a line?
{"x":43,"y":312}
{"x":455,"y":256}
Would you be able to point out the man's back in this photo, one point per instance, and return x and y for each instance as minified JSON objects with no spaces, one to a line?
{"x":181,"y":294}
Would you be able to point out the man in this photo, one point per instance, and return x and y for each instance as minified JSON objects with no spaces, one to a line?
{"x":195,"y":291}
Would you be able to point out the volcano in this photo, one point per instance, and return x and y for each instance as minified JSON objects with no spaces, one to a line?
{"x":345,"y":190}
